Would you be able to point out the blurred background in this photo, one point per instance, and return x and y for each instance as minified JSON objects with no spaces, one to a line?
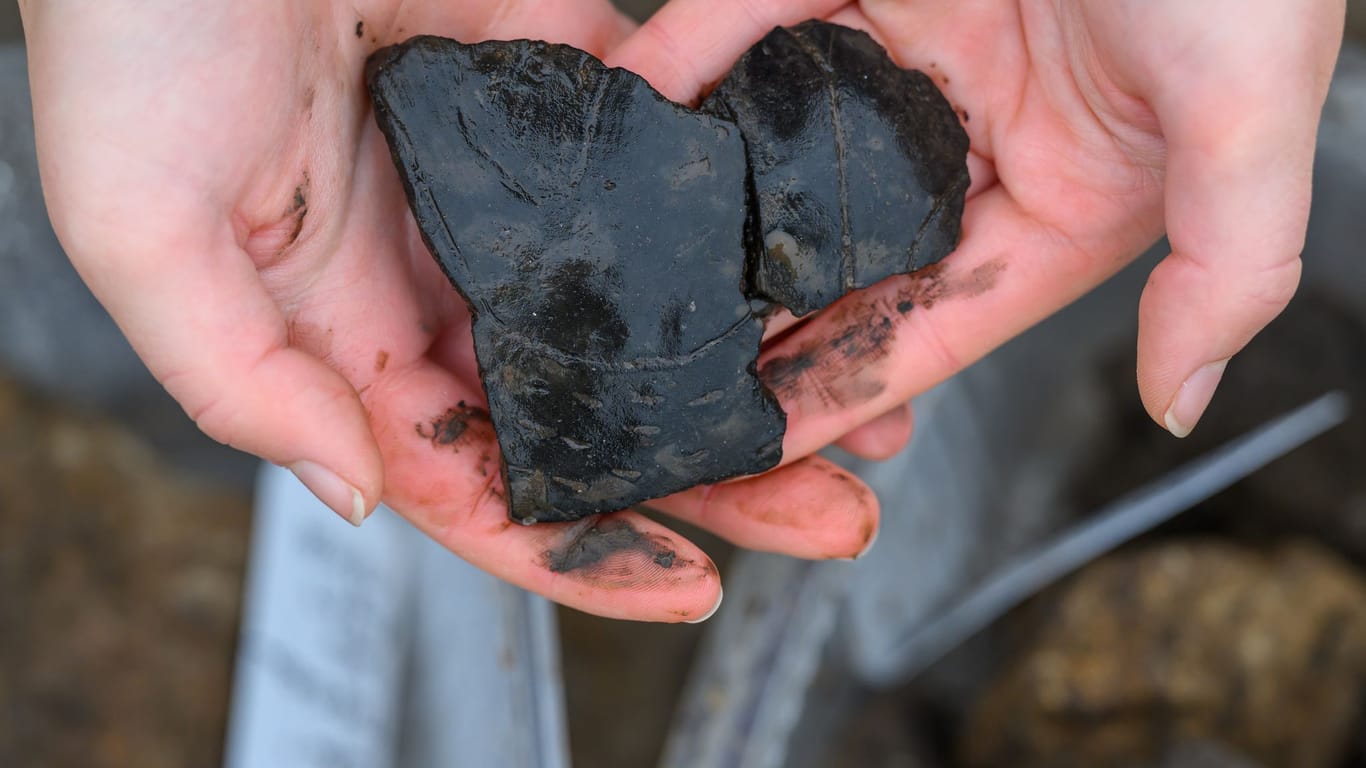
{"x":1235,"y":636}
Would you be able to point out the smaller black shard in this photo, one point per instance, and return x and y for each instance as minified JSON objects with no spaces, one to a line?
{"x":596,"y":231}
{"x":858,"y":168}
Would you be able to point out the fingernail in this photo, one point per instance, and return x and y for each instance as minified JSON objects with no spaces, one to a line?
{"x":331,"y":490}
{"x":1193,"y":398}
{"x":869,"y":546}
{"x":721,"y":595}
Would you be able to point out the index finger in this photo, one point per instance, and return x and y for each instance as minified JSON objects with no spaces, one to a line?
{"x":881,"y":346}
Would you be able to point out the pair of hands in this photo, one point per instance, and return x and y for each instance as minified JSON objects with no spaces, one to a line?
{"x":215,"y":174}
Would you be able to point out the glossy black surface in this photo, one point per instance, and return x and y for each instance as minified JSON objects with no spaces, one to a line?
{"x":595,"y":230}
{"x":859,"y":167}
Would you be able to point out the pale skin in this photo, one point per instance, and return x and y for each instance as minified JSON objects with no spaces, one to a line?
{"x":215,"y":175}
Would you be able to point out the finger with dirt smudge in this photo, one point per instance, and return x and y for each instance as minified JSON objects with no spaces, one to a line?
{"x":811,"y":509}
{"x":628,"y":567}
{"x":885,"y":344}
{"x":440,"y":459}
{"x":442,"y":474}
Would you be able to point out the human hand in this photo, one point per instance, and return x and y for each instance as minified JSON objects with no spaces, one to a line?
{"x":1093,"y":124}
{"x":216,"y":176}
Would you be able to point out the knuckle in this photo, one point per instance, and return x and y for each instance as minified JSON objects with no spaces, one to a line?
{"x":933,"y":341}
{"x":1276,"y":286}
{"x":219,"y":418}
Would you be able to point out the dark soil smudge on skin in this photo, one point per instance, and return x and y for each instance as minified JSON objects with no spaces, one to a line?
{"x":840,"y":363}
{"x":298,"y":208}
{"x":981,"y":279}
{"x":843,"y":364}
{"x":931,"y":285}
{"x":590,"y":546}
{"x":462,"y":421}
{"x":864,"y":341}
{"x":782,"y":373}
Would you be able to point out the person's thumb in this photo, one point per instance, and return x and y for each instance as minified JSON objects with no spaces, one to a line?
{"x":193,"y":306}
{"x":1240,"y":158}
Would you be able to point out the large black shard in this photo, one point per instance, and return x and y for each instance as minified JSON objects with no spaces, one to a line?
{"x":596,"y":231}
{"x":858,"y":167}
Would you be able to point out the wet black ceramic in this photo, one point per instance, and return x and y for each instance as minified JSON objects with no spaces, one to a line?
{"x":607,"y":239}
{"x":595,"y":229}
{"x":858,"y":167}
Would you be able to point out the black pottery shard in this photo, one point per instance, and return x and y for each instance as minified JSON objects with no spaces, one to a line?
{"x":595,"y":229}
{"x":858,"y":167}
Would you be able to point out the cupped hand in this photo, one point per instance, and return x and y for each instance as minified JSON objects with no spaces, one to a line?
{"x":216,"y":176}
{"x":1094,"y":126}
